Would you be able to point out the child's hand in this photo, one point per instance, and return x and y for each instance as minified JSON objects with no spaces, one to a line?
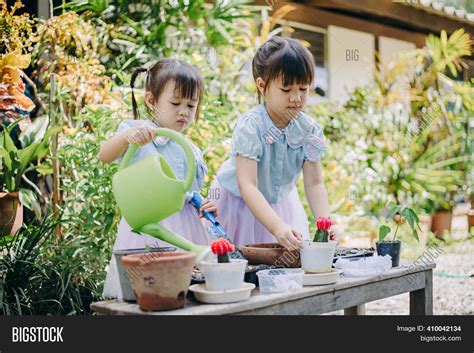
{"x":288,"y":237}
{"x":208,"y":206}
{"x":141,"y":135}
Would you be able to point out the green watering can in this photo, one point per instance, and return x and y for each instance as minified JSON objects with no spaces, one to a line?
{"x":148,"y":192}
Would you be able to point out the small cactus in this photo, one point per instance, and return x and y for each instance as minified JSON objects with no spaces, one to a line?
{"x":222,"y":248}
{"x":322,"y":234}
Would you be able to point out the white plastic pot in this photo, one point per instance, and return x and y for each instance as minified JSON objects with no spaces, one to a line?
{"x":223,"y":276}
{"x":317,"y":257}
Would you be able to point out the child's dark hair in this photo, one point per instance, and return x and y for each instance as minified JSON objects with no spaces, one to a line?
{"x":283,"y":57}
{"x":188,"y":81}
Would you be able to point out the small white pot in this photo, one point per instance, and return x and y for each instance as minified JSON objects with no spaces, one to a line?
{"x":223,"y":276}
{"x":317,"y":257}
{"x":460,"y":13}
{"x":449,"y":10}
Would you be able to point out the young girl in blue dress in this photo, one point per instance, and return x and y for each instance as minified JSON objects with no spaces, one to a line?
{"x":271,"y":145}
{"x":173,"y":92}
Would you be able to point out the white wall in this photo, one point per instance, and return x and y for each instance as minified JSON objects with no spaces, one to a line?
{"x":389,"y":48}
{"x":43,"y":9}
{"x":350,"y":60}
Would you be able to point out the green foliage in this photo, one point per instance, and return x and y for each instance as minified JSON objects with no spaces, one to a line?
{"x":408,"y":142}
{"x":88,"y":202}
{"x":15,"y":163}
{"x":400,"y":215}
{"x":41,"y":276}
{"x":17,"y":30}
{"x":446,"y":52}
{"x":139,"y":33}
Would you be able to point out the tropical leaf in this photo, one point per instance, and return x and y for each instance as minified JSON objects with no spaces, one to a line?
{"x":29,"y":199}
{"x":383,"y":232}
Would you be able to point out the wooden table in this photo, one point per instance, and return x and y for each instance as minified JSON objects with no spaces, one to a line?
{"x":349,"y":293}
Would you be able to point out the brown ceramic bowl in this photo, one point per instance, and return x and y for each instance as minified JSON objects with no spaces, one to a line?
{"x":272,"y":254}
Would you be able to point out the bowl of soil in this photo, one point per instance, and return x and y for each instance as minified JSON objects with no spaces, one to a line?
{"x":272,"y":254}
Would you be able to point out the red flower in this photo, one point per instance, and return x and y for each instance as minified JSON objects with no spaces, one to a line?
{"x":324,"y":223}
{"x":221,"y":247}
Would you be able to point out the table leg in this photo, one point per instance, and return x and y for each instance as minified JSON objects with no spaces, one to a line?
{"x":355,"y":310}
{"x":421,"y":301}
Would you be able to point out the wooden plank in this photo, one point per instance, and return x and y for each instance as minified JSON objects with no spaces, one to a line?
{"x":392,"y":12}
{"x":421,"y":301}
{"x":342,"y":299}
{"x":310,"y":300}
{"x":323,"y":18}
{"x":408,"y":273}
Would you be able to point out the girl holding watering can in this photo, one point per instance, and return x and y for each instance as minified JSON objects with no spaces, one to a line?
{"x":173,"y":93}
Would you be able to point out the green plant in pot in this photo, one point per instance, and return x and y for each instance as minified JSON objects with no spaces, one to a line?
{"x":401,"y":216}
{"x":15,"y":163}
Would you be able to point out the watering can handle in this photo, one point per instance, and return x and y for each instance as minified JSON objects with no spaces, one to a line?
{"x":180,"y":140}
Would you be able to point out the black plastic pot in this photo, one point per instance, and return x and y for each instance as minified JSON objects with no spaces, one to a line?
{"x":391,"y":248}
{"x":251,"y":273}
{"x":127,"y":291}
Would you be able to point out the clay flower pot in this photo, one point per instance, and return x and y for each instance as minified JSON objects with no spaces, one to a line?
{"x":440,"y":222}
{"x":127,"y":291}
{"x":160,"y":281}
{"x":272,"y":254}
{"x":470,"y":219}
{"x":11,"y":213}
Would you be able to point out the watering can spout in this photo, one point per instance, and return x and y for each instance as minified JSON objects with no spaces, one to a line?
{"x":158,"y":231}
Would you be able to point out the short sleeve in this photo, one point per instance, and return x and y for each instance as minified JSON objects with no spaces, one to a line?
{"x":126,"y":125}
{"x":246,"y":139}
{"x":315,"y":145}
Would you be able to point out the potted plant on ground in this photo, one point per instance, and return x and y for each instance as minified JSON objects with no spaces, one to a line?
{"x":14,"y":164}
{"x":442,"y":217}
{"x":400,"y":215}
{"x":317,"y":254}
{"x":223,"y":273}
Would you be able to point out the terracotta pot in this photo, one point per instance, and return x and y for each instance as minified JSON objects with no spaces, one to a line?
{"x":160,"y":281}
{"x":272,"y":254}
{"x":127,"y":291}
{"x":11,"y":213}
{"x":440,"y":222}
{"x":470,"y":219}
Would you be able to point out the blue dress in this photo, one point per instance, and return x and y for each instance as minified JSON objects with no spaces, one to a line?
{"x":280,"y":154}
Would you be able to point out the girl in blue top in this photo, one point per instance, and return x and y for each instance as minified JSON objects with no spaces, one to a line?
{"x":271,"y":145}
{"x":174,"y":89}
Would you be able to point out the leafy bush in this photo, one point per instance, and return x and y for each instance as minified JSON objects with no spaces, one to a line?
{"x":41,"y":276}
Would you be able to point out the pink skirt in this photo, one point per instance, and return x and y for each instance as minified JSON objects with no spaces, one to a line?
{"x":186,"y":223}
{"x":242,"y":226}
